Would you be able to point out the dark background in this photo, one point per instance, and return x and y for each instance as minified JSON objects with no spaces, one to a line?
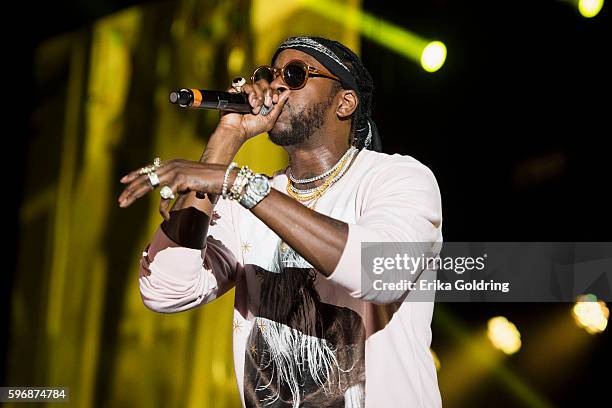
{"x":514,"y":126}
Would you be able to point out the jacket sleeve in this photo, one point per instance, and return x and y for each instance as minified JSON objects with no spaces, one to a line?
{"x":174,"y":278}
{"x":401,"y":203}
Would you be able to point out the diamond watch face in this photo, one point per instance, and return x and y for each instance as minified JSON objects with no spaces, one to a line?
{"x":260,"y":184}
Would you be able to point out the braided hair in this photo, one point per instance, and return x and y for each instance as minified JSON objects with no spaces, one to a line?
{"x":365,"y":91}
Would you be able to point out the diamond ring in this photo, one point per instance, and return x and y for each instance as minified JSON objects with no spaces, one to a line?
{"x":148,"y":169}
{"x":166,"y":193}
{"x":153,"y":178}
{"x":238,"y":83}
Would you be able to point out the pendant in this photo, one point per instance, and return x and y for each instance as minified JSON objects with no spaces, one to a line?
{"x":284,"y":247}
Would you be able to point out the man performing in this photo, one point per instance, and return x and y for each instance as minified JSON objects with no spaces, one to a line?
{"x":307,"y":333}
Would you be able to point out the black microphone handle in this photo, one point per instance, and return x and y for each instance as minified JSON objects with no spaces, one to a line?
{"x":217,"y":100}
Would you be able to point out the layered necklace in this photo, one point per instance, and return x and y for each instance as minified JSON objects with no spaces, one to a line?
{"x":310,"y":197}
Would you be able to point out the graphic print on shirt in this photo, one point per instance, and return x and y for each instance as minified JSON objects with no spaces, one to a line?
{"x":302,"y":352}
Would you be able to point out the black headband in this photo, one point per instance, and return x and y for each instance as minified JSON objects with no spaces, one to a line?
{"x":326,"y":52}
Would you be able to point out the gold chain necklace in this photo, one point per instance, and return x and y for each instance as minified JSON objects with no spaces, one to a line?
{"x":310,"y":200}
{"x":321,"y":189}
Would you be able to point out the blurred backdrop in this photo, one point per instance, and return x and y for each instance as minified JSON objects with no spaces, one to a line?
{"x":512,"y":119}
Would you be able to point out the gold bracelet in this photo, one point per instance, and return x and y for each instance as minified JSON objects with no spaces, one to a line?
{"x":242,"y":179}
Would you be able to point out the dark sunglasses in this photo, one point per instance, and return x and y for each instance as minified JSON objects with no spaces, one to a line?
{"x":295,"y":74}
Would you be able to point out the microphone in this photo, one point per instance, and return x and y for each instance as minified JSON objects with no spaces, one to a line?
{"x":217,"y":100}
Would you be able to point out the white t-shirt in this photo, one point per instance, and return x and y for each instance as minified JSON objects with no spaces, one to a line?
{"x":305,"y":339}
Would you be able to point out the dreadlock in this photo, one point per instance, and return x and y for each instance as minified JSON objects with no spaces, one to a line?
{"x":365,"y":90}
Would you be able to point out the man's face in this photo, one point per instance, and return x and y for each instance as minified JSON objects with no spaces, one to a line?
{"x":307,"y":108}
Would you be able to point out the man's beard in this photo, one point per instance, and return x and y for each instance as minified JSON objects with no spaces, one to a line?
{"x":302,"y":124}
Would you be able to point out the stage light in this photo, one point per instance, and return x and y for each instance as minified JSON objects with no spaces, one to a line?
{"x":504,"y":335}
{"x":472,"y":359}
{"x":590,"y":8}
{"x":590,"y":314}
{"x":433,"y":56}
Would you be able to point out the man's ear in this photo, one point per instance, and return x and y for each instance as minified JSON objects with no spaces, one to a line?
{"x":347,"y":103}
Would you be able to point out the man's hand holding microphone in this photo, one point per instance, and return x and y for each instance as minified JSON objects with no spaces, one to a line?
{"x":205,"y":177}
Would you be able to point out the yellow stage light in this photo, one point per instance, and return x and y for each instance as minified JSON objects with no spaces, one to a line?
{"x":590,"y":8}
{"x":504,"y":335}
{"x":433,"y":56}
{"x":590,"y":314}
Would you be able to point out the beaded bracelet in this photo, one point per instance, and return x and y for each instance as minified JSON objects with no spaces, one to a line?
{"x":226,"y":179}
{"x":237,"y":182}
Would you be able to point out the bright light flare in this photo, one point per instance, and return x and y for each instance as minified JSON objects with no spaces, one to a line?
{"x":433,"y":56}
{"x":504,"y":335}
{"x":590,"y":8}
{"x":590,"y":314}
